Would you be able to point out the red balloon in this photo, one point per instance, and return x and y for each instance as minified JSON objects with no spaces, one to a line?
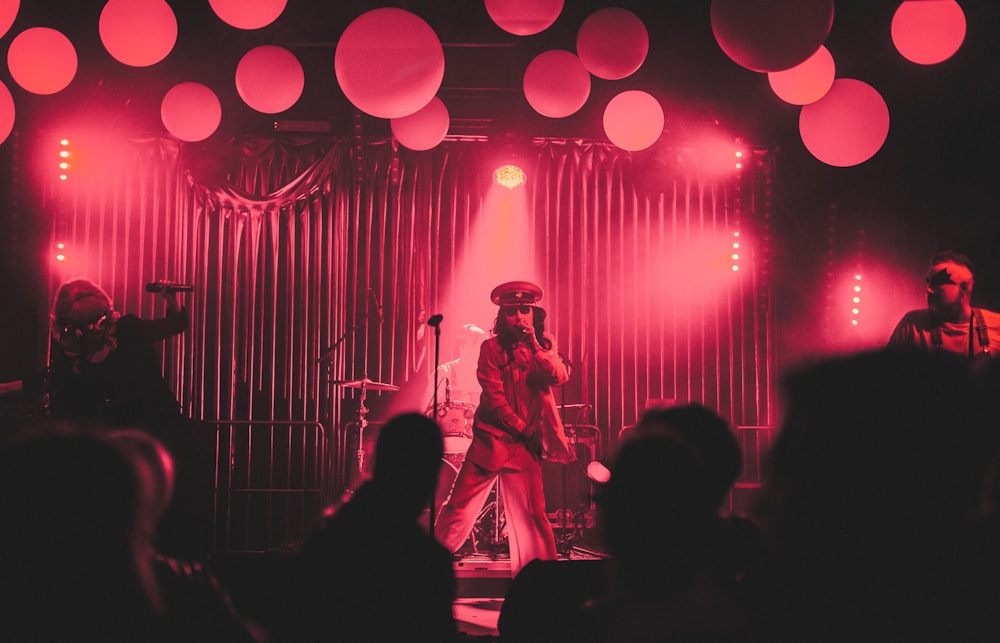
{"x":633,"y":120}
{"x":191,"y":111}
{"x":423,"y":129}
{"x":139,"y":33}
{"x":524,"y":17}
{"x":556,"y":83}
{"x":7,"y":112}
{"x":806,"y":82}
{"x":269,"y":79}
{"x":248,"y":14}
{"x":929,"y":31}
{"x":847,"y":126}
{"x":771,"y":35}
{"x":42,"y":60}
{"x":612,"y":43}
{"x":389,"y":62}
{"x":8,"y":12}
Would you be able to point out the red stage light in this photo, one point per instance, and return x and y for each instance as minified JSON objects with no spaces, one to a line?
{"x":509,"y":176}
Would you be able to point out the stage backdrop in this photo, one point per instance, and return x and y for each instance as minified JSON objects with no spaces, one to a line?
{"x":316,"y":261}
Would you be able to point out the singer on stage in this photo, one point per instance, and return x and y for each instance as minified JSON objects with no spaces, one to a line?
{"x":105,"y":371}
{"x":516,"y":426}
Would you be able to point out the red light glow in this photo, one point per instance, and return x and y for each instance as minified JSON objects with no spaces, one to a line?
{"x":509,"y":176}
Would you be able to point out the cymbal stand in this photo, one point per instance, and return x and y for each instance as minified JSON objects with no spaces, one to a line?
{"x":327,"y":356}
{"x":362,"y":425}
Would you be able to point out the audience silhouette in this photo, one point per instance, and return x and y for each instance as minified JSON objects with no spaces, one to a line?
{"x":673,"y":564}
{"x":878,"y":521}
{"x":874,"y":494}
{"x":196,"y":606}
{"x":75,"y":550}
{"x":374,"y":573}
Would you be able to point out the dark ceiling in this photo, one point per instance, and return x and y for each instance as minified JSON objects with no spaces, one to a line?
{"x":484,"y":66}
{"x":934,"y":174}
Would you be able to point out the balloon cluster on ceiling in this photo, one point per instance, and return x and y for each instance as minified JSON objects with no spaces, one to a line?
{"x":390,"y":64}
{"x":843,"y":121}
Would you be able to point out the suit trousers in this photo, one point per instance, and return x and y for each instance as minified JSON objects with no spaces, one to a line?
{"x":529,"y":533}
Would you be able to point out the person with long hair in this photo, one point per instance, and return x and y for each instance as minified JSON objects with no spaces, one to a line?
{"x":516,"y":426}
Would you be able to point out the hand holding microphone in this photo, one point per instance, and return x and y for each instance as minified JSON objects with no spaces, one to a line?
{"x":168,"y":286}
{"x":168,"y":290}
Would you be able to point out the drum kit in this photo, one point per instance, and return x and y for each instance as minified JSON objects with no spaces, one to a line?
{"x":456,"y":421}
{"x":364,"y":385}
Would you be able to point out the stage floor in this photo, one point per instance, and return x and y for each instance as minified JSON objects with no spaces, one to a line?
{"x":483,"y":581}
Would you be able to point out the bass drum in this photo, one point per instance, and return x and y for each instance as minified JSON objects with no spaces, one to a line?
{"x":455,"y":419}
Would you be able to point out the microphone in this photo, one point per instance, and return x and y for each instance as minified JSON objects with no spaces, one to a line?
{"x":378,"y":306}
{"x":168,"y":286}
{"x":435,"y":320}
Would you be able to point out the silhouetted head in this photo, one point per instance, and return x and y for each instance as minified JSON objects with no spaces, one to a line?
{"x":658,"y":513}
{"x":877,"y":445}
{"x":408,"y":457}
{"x":705,"y":431}
{"x":950,"y":278}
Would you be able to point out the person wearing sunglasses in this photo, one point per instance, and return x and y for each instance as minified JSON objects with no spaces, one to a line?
{"x":949,"y":322}
{"x":105,"y":370}
{"x":516,"y":426}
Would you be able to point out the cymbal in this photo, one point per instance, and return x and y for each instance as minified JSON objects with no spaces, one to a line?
{"x":366,"y":384}
{"x":574,"y":406}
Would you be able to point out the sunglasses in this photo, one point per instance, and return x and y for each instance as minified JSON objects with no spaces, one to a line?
{"x":940,"y":278}
{"x":510,"y":311}
{"x":94,"y":327}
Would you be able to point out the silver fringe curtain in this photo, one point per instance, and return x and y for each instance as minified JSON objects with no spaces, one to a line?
{"x":283,"y":255}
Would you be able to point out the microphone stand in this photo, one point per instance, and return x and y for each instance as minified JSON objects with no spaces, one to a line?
{"x":435,"y":321}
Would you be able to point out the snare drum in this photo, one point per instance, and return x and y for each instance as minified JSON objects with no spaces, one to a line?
{"x":455,"y":419}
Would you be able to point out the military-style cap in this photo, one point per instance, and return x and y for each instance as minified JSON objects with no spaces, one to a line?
{"x":516,"y":293}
